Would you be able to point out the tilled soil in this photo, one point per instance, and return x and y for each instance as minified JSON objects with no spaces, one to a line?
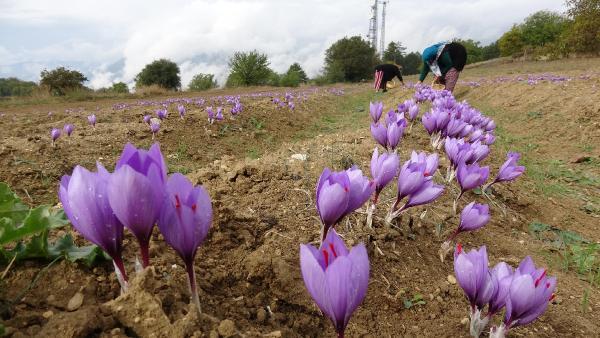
{"x":248,"y":268}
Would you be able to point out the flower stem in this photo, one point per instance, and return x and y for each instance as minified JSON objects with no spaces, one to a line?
{"x":455,"y":204}
{"x":145,"y":249}
{"x":341,"y":334}
{"x":192,"y":285}
{"x":121,"y":273}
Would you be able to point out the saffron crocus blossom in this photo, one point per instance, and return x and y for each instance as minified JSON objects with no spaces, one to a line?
{"x":471,"y":176}
{"x":394,"y":134}
{"x":379,"y":133}
{"x":413,"y":112}
{"x":384,"y":168}
{"x":509,"y":171}
{"x":528,"y":296}
{"x":211,"y":115}
{"x":184,"y":220}
{"x":147,"y":118}
{"x":85,"y":201}
{"x":154,"y":127}
{"x":473,"y":276}
{"x":502,"y":273}
{"x":161,"y":113}
{"x":361,"y":188}
{"x":54,"y":135}
{"x":92,"y":120}
{"x":431,"y":161}
{"x":135,"y":192}
{"x":68,"y":128}
{"x":336,"y":279}
{"x":472,"y":217}
{"x":332,"y":197}
{"x":181,"y":110}
{"x":219,"y":115}
{"x":375,"y":110}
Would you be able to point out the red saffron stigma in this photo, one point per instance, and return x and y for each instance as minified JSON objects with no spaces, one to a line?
{"x":326,"y":255}
{"x":177,"y":202}
{"x":547,"y":285}
{"x":333,"y":250}
{"x":537,"y":281}
{"x":426,"y":174}
{"x":459,"y":248}
{"x":194,"y":206}
{"x":552,"y":297}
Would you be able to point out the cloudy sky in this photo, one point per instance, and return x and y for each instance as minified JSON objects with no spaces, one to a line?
{"x":112,"y":40}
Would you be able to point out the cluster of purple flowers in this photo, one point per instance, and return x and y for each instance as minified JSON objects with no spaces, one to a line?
{"x":138,"y":195}
{"x":524,"y":292}
{"x":68,"y":128}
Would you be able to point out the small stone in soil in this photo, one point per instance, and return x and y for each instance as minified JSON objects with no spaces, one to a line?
{"x":451,"y":279}
{"x":47,"y":314}
{"x":75,"y":302}
{"x":261,"y":315}
{"x":226,"y":328}
{"x":464,"y":321}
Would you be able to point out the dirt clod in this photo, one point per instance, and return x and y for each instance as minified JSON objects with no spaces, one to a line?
{"x":75,"y":302}
{"x":226,"y":328}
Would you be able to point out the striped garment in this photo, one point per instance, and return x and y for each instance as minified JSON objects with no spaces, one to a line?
{"x":378,"y":78}
{"x":450,"y":79}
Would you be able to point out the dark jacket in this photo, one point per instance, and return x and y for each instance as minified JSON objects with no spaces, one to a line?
{"x":389,"y":72}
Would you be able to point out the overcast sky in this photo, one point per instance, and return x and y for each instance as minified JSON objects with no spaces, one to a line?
{"x":112,"y":40}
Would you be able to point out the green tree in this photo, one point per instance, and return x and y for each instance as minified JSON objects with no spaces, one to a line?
{"x":296,"y":68}
{"x":119,"y":87}
{"x":248,"y":69}
{"x":202,"y":82}
{"x":60,"y":80}
{"x":542,"y":28}
{"x":394,"y":52}
{"x":350,"y":59}
{"x":290,"y":79}
{"x":583,"y":35}
{"x":411,"y":63}
{"x":490,"y":51}
{"x":474,"y":50}
{"x":511,"y":42}
{"x":163,"y":72}
{"x":14,"y":87}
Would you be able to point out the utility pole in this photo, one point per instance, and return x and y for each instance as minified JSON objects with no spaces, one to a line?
{"x":373,"y":25}
{"x":382,"y":41}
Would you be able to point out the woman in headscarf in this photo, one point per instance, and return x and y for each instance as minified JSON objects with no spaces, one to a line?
{"x":446,"y":61}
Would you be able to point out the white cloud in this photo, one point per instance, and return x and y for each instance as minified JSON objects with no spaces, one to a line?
{"x":200,"y":35}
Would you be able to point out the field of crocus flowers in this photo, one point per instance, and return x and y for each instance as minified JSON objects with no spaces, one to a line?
{"x":251,"y":235}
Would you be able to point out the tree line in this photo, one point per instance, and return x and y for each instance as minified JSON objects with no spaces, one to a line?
{"x":351,"y":59}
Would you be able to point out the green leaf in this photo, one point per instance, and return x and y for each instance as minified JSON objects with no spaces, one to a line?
{"x":407,"y":304}
{"x":88,"y":255}
{"x":10,"y":205}
{"x":37,"y":220}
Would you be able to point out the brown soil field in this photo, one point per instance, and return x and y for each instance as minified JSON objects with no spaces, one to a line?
{"x":248,"y":270}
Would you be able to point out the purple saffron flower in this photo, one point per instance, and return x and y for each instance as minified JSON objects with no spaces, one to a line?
{"x":394,"y":134}
{"x":502,"y":273}
{"x":471,"y":176}
{"x":85,"y":201}
{"x":413,"y":112}
{"x":211,"y":114}
{"x":473,"y":217}
{"x":427,"y":193}
{"x":410,"y":178}
{"x":379,"y":133}
{"x":54,"y":134}
{"x":361,"y":188}
{"x":375,"y":110}
{"x":181,"y":110}
{"x":135,"y":192}
{"x":383,"y":169}
{"x":184,"y":220}
{"x":473,"y":276}
{"x":147,"y":118}
{"x":92,"y":120}
{"x":219,"y":115}
{"x":68,"y":128}
{"x":510,"y":170}
{"x":431,"y":161}
{"x":336,"y":279}
{"x":161,"y":113}
{"x":332,"y":197}
{"x":488,"y":138}
{"x":528,"y":296}
{"x":154,"y":127}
